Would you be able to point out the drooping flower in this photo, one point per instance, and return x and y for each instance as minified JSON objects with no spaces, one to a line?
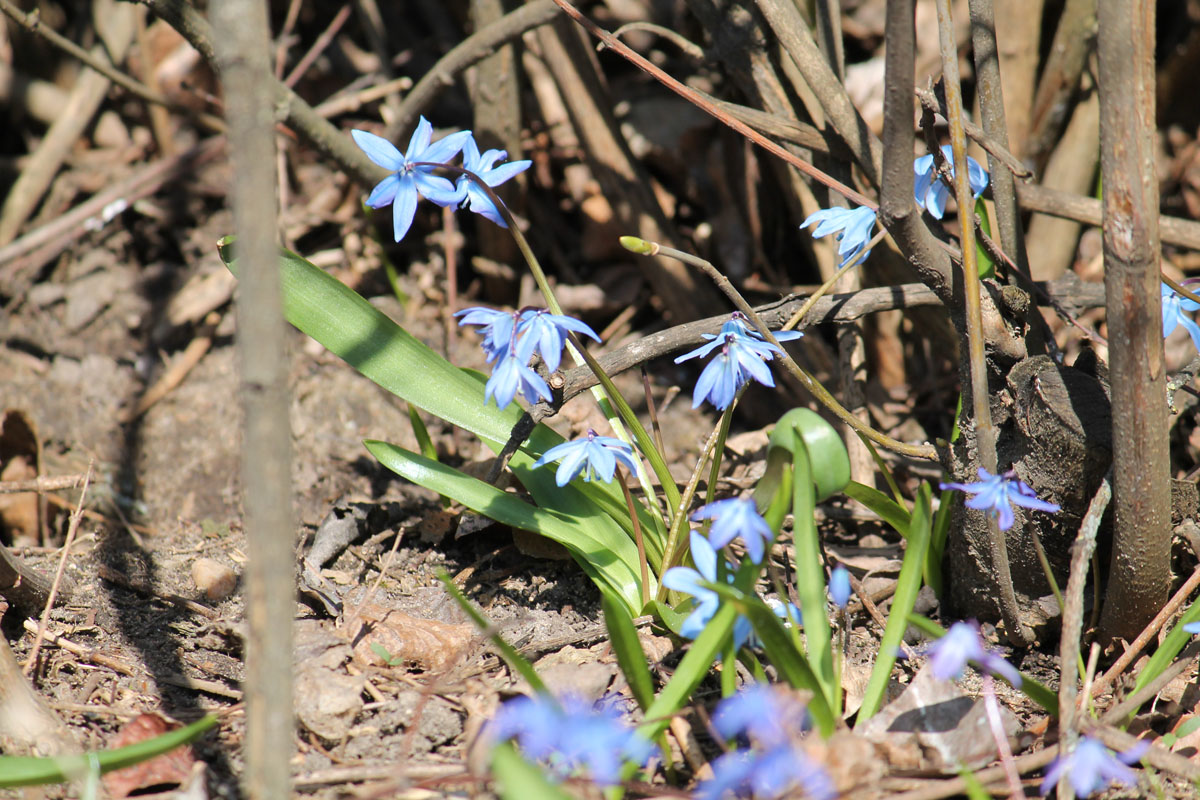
{"x":736,"y":517}
{"x":839,"y":586}
{"x":1174,"y":306}
{"x":949,"y":655}
{"x":483,"y":165}
{"x":931,"y":193}
{"x":852,"y":226}
{"x":593,"y":455}
{"x":995,"y":494}
{"x":1092,"y":767}
{"x":691,"y":581}
{"x":409,"y":182}
{"x":509,"y":376}
{"x":546,"y":333}
{"x":570,"y":735}
{"x":495,"y":326}
{"x":741,"y":358}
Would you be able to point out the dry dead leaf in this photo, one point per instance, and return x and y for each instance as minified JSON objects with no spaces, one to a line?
{"x":163,"y":772}
{"x":389,"y":637}
{"x":935,"y":726}
{"x":18,"y":462}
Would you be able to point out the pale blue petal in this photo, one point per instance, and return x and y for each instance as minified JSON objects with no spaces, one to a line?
{"x":379,"y":150}
{"x":419,"y":141}
{"x":404,"y":207}
{"x":384,"y":192}
{"x":446,"y":148}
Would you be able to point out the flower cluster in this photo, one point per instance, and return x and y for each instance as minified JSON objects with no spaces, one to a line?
{"x":511,"y":338}
{"x":1091,"y":767}
{"x":949,"y":655}
{"x":571,"y":734}
{"x":413,"y":174}
{"x":743,"y":355}
{"x":774,"y":765}
{"x":1173,"y":307}
{"x":931,"y":193}
{"x":996,"y":494}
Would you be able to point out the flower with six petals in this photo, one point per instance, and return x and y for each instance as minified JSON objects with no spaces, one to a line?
{"x":1091,"y":767}
{"x":996,"y":494}
{"x":408,"y":181}
{"x":734,"y":517}
{"x":593,"y":455}
{"x":483,"y":165}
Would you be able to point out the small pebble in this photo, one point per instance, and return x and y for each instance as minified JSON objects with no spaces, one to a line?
{"x":213,"y":578}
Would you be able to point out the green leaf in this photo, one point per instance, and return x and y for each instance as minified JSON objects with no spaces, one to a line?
{"x":606,"y":555}
{"x":1169,"y":649}
{"x":975,"y":790}
{"x":350,"y":327}
{"x":825,"y":448}
{"x":32,"y":771}
{"x":509,"y":653}
{"x":907,"y":586}
{"x":517,"y":779}
{"x":888,"y":509}
{"x":630,"y":657}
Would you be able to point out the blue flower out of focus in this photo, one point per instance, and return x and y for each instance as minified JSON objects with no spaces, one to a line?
{"x":571,"y":734}
{"x":995,"y":494}
{"x":409,"y":182}
{"x":949,"y":655}
{"x":743,"y":355}
{"x":484,"y":166}
{"x":774,"y":766}
{"x":736,"y":517}
{"x":1091,"y":767}
{"x":839,"y":586}
{"x":691,"y":581}
{"x":855,"y":226}
{"x":513,"y":338}
{"x":593,"y":455}
{"x":1173,"y":307}
{"x":931,"y":193}
{"x":1192,"y":627}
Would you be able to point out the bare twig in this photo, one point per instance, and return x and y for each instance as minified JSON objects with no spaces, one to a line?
{"x":72,"y":529}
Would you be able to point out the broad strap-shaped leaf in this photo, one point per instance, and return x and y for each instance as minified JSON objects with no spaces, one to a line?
{"x":825,"y":447}
{"x":605,"y":553}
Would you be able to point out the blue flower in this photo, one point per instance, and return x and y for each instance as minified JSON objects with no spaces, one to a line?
{"x":484,"y":166}
{"x":741,"y":358}
{"x":1091,"y":767}
{"x":736,"y":517}
{"x":996,"y":494}
{"x":738,"y":323}
{"x":509,"y":376}
{"x":691,"y":581}
{"x":496,"y":327}
{"x":768,"y":715}
{"x":545,"y":333}
{"x":594,"y":456}
{"x":403,"y":188}
{"x":948,"y":656}
{"x":571,"y":734}
{"x":1173,"y":307}
{"x":1192,"y":627}
{"x":931,"y":193}
{"x":839,"y":586}
{"x":778,"y":772}
{"x":855,"y":226}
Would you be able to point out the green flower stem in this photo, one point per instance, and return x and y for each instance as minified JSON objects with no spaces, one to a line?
{"x":818,"y":391}
{"x":577,"y":353}
{"x":719,"y":448}
{"x":637,"y":536}
{"x":673,"y":549}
